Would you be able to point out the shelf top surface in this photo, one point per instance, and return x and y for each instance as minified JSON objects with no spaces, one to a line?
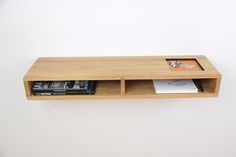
{"x":114,"y":68}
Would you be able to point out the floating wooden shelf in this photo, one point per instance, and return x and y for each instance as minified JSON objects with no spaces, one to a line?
{"x":120,"y":77}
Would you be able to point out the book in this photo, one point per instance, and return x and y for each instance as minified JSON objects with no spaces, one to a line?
{"x":175,"y":86}
{"x":63,"y":87}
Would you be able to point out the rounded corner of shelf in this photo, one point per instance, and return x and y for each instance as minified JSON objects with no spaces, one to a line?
{"x":25,"y":79}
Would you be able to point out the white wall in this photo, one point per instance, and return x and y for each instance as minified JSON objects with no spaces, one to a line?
{"x":116,"y":128}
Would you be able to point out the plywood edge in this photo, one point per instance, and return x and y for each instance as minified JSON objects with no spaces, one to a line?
{"x":122,"y":86}
{"x":218,"y":84}
{"x":27,"y":86}
{"x":74,"y":97}
{"x":119,"y":97}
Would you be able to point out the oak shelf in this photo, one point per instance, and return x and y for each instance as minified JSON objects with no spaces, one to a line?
{"x":120,"y":77}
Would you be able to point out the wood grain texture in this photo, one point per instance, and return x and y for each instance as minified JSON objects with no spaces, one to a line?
{"x":130,"y":77}
{"x":113,"y":68}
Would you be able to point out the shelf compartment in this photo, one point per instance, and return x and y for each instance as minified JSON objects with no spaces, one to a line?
{"x":104,"y":89}
{"x":145,"y":89}
{"x":190,"y":61}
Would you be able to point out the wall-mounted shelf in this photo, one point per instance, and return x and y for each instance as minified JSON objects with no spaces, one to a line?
{"x":120,"y":77}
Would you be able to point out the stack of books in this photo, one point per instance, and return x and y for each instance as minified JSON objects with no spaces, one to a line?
{"x":63,"y":87}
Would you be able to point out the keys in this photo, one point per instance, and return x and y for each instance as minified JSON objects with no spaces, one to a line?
{"x":176,"y":64}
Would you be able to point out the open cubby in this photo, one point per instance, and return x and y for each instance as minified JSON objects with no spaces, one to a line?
{"x":108,"y":88}
{"x":121,"y":77}
{"x":145,"y":88}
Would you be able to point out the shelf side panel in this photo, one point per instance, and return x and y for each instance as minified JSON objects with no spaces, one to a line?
{"x":28,"y":86}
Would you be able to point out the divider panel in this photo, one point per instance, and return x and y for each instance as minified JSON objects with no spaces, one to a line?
{"x":122,"y":86}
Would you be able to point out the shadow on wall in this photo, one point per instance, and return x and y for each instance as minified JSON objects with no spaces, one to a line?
{"x":152,"y":104}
